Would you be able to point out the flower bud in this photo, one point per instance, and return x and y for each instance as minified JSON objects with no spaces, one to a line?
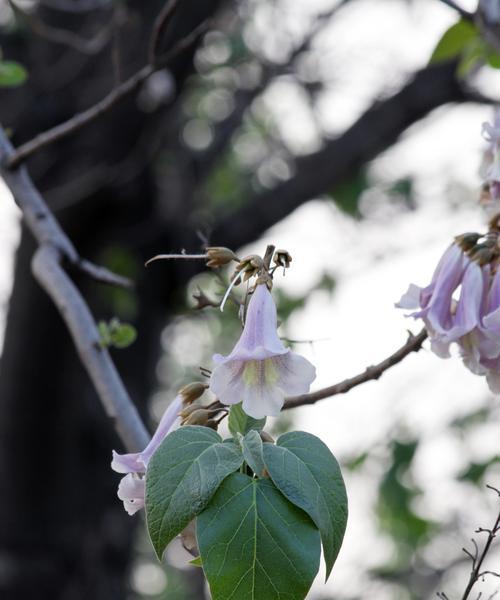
{"x":197,"y":417}
{"x":219,"y":256}
{"x":282,"y":258}
{"x":467,"y":241}
{"x":482,"y":255}
{"x":192,"y":391}
{"x":187,"y":410}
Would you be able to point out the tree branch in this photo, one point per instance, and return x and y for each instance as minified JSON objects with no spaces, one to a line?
{"x":340,"y":158}
{"x":413,"y":344}
{"x":55,"y":246}
{"x":105,"y":104}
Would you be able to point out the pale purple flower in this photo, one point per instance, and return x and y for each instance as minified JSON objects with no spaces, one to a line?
{"x":131,"y":487}
{"x":438,"y":309}
{"x":472,"y":320}
{"x":260,"y":371}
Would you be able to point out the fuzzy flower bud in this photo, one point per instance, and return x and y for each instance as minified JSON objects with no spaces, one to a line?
{"x":219,"y":256}
{"x":197,"y":417}
{"x":192,"y":391}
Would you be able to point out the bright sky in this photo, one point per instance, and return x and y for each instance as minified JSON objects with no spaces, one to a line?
{"x":374,"y":261}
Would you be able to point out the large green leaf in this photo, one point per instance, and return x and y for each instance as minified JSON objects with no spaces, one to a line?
{"x":182,"y":476}
{"x":307,"y":473}
{"x":251,"y":445}
{"x":240,"y":422}
{"x":255,"y":545}
{"x":454,"y":41}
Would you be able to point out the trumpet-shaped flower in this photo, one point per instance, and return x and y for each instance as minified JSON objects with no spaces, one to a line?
{"x":472,"y":321}
{"x":131,"y":487}
{"x":260,"y":371}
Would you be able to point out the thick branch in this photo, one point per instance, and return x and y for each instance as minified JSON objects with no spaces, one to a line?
{"x":55,"y":246}
{"x":413,"y":344}
{"x":377,"y":129}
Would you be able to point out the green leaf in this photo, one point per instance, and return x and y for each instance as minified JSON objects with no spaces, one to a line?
{"x":307,"y":473}
{"x":117,"y":334}
{"x":182,"y":476}
{"x":255,"y":545}
{"x":454,"y":41}
{"x":123,"y":335}
{"x":240,"y":422}
{"x":12,"y":73}
{"x":251,"y":445}
{"x":196,"y":562}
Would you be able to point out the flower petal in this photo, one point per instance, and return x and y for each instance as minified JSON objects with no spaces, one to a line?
{"x":227,"y":383}
{"x":127,"y":463}
{"x":169,"y":421}
{"x":411,"y":298}
{"x":295,"y":373}
{"x":131,"y":492}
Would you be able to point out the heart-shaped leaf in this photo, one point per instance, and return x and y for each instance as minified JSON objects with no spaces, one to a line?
{"x":255,"y":545}
{"x":182,"y":476}
{"x":306,"y":472}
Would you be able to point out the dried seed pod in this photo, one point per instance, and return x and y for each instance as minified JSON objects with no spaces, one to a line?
{"x":197,"y":417}
{"x":282,"y":258}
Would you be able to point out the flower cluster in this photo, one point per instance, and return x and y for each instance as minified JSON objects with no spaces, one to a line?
{"x":472,"y":319}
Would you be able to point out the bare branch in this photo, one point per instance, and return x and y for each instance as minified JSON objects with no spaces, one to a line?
{"x":55,"y":246}
{"x":160,"y":24}
{"x":478,"y":558}
{"x":413,"y":344}
{"x":118,"y":93}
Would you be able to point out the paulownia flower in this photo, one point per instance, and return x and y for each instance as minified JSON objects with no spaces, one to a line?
{"x":131,"y":487}
{"x":260,"y":371}
{"x":473,"y":319}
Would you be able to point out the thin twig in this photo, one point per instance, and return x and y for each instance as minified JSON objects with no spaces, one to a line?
{"x":176,"y":257}
{"x":465,"y":14}
{"x":160,"y":24}
{"x":413,"y":344}
{"x":479,"y":557}
{"x":90,"y":114}
{"x":63,"y":36}
{"x":54,"y":248}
